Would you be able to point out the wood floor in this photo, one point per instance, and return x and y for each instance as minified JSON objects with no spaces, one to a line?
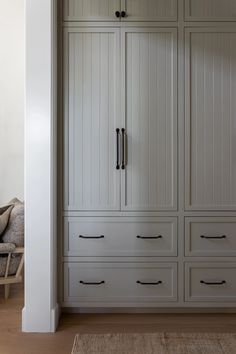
{"x":12,"y":341}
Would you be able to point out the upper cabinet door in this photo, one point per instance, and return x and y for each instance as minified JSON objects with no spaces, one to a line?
{"x":149,"y":103}
{"x":149,"y":10}
{"x":211,"y":119}
{"x":91,"y":116}
{"x":210,"y":10}
{"x":91,"y":10}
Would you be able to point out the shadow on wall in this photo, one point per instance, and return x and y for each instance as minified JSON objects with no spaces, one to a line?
{"x":12,"y":99}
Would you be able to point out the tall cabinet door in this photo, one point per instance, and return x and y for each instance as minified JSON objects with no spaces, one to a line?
{"x":149,"y":10}
{"x":91,"y":116}
{"x":90,"y":10}
{"x":149,"y":103}
{"x":210,"y":119}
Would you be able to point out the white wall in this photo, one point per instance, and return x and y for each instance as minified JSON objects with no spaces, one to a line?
{"x":11,"y":99}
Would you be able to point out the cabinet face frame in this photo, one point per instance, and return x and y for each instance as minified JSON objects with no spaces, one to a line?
{"x":189,"y":17}
{"x":173,"y":32}
{"x":172,"y":17}
{"x":69,"y":173}
{"x":188,"y":205}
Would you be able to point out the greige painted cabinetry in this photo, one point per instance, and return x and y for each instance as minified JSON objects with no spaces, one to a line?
{"x":149,"y":166}
{"x":124,"y":10}
{"x":210,"y":10}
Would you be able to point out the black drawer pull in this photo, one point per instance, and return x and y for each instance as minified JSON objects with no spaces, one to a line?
{"x":123,"y":14}
{"x":92,"y":237}
{"x":213,"y":237}
{"x":150,"y":237}
{"x":147,"y":283}
{"x":92,"y":283}
{"x":213,"y":282}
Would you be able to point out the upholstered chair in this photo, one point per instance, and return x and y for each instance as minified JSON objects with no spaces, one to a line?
{"x":12,"y":247}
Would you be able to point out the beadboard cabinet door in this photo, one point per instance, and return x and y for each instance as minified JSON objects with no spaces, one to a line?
{"x":210,"y":10}
{"x":90,"y":10}
{"x":149,"y":111}
{"x":149,"y":10}
{"x":91,"y":116}
{"x":210,"y":119}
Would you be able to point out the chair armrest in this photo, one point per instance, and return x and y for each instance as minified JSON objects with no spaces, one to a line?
{"x":7,"y":247}
{"x":19,"y":250}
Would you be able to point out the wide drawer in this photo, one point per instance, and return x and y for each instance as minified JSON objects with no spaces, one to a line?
{"x":101,"y":237}
{"x":210,"y":236}
{"x":210,"y":282}
{"x":136,"y":10}
{"x":120,"y":282}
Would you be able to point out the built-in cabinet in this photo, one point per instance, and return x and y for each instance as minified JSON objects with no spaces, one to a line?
{"x":149,"y":167}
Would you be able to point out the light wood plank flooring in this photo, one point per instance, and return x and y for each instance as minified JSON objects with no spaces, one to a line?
{"x":12,"y":341}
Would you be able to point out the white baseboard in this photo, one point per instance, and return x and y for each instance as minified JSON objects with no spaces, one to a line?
{"x":32,"y":323}
{"x":55,"y":316}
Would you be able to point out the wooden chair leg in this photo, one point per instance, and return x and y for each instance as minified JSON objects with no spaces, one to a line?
{"x":7,"y":290}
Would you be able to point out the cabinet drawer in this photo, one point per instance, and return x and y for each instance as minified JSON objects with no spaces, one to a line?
{"x":89,"y":237}
{"x":210,"y":10}
{"x":120,"y":282}
{"x":210,"y":282}
{"x":149,"y":10}
{"x":90,"y":10}
{"x":210,"y":236}
{"x":136,"y":10}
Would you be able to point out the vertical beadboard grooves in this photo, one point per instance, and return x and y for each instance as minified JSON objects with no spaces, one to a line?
{"x":150,"y":180}
{"x":91,"y":119}
{"x":210,"y":83}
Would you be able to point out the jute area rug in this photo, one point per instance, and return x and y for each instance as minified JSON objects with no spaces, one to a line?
{"x":155,"y":343}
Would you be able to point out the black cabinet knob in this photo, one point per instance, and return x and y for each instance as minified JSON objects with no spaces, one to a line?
{"x":123,"y":13}
{"x":117,"y":13}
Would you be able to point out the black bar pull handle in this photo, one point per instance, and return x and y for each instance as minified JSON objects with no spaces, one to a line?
{"x":91,"y":237}
{"x":123,"y":14}
{"x":221,"y":282}
{"x":124,"y":149}
{"x":149,"y":283}
{"x":92,"y":283}
{"x":213,"y":237}
{"x":149,"y":237}
{"x":117,"y":148}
